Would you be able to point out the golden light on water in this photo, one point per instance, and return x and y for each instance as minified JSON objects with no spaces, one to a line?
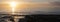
{"x":13,"y":6}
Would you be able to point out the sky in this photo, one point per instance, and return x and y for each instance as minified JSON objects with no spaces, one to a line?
{"x":33,"y":0}
{"x":35,"y":5}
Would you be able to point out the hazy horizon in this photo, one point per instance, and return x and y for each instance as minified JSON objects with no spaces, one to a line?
{"x":31,"y":6}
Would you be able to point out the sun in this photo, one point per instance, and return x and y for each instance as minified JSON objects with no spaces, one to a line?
{"x":13,"y":6}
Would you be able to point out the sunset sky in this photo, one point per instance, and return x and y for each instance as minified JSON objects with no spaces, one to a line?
{"x":28,"y":5}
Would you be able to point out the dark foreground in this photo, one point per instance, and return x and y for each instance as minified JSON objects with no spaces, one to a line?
{"x":38,"y":18}
{"x":41,"y":18}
